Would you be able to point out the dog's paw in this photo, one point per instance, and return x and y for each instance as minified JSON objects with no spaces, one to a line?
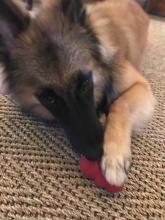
{"x":115,"y":165}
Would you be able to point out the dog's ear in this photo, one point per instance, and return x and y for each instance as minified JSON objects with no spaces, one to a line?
{"x":74,"y":10}
{"x":13,"y":20}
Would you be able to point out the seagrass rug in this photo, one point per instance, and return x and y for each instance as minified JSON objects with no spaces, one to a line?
{"x":39,"y":172}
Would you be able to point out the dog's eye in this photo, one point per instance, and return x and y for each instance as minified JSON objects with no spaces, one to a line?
{"x":48,"y":97}
{"x":51,"y":99}
{"x":86,"y":83}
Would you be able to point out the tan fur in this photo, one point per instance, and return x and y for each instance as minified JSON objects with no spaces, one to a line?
{"x":122,"y":27}
{"x":120,"y":24}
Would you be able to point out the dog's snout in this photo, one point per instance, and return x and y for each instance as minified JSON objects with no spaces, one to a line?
{"x":94,"y":154}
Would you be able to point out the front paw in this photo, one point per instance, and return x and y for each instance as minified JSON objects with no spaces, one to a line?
{"x":115,"y":165}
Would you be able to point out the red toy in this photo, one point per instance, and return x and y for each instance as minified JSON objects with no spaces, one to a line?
{"x":92,"y":170}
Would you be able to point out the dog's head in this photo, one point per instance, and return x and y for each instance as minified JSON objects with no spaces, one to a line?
{"x":49,"y":64}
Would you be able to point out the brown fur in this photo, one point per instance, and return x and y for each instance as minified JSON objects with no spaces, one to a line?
{"x":121,"y":27}
{"x":156,"y":7}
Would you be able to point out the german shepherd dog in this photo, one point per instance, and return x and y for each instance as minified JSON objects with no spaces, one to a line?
{"x":75,"y":61}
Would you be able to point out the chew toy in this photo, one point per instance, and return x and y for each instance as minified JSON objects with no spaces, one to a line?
{"x":92,"y":170}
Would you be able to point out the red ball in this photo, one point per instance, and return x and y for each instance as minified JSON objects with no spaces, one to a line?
{"x":92,"y":170}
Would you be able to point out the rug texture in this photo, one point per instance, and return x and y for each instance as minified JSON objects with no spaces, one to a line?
{"x":40,"y":176}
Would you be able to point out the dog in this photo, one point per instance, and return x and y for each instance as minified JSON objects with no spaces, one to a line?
{"x":74,"y":62}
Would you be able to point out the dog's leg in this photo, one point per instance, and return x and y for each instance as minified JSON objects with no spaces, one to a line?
{"x":131,"y":109}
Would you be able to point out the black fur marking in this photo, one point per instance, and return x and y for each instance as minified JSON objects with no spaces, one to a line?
{"x":101,"y":107}
{"x":12,"y":15}
{"x":29,"y":4}
{"x":107,"y":99}
{"x":95,"y":51}
{"x":4,"y":55}
{"x":6,"y":60}
{"x":11,"y":68}
{"x":74,"y":9}
{"x":108,"y":92}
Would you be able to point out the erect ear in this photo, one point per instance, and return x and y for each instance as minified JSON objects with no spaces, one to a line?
{"x":74,"y":10}
{"x":13,"y":21}
{"x":13,"y":17}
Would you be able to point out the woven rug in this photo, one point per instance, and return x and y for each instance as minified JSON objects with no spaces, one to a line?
{"x":40,"y":176}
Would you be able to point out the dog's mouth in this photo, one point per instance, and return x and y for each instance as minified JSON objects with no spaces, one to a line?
{"x":86,"y":135}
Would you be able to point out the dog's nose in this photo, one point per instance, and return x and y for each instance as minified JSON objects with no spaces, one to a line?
{"x":94,"y":154}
